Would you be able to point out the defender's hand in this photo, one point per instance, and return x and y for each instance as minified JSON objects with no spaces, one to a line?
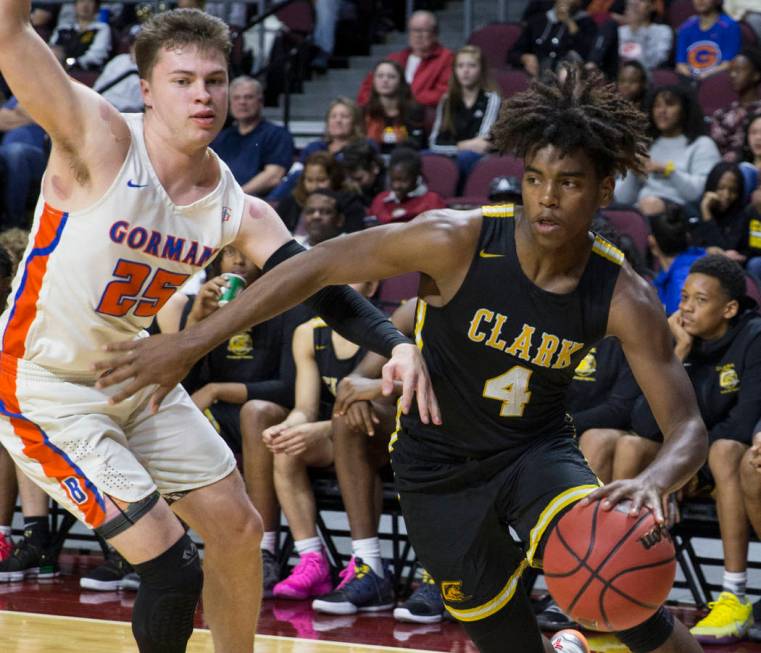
{"x":158,"y":360}
{"x":640,"y":492}
{"x":407,"y":365}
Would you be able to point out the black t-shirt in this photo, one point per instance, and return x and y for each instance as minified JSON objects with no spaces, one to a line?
{"x":603,"y":390}
{"x":726,"y":375}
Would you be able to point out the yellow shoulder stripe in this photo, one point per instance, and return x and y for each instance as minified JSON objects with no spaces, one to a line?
{"x":603,"y":248}
{"x":498,"y":211}
{"x":318,"y":322}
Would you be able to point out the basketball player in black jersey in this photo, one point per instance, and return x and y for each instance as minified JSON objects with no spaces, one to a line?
{"x":510,"y":303}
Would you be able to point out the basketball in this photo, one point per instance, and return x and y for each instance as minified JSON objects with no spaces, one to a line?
{"x":606,"y":569}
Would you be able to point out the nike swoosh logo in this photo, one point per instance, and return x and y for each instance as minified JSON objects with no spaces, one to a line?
{"x":484,"y":254}
{"x":132,"y":184}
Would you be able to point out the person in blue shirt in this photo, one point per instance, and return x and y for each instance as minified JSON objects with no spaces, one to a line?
{"x":258,"y":152}
{"x":707,"y":41}
{"x":23,"y":155}
{"x":669,"y":245}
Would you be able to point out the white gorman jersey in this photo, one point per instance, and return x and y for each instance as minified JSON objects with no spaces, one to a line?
{"x":99,"y":275}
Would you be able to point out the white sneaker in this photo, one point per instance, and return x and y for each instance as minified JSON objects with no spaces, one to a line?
{"x":570,"y":641}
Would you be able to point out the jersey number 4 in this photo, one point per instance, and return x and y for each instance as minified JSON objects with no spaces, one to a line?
{"x":126,"y":291}
{"x":511,"y":388}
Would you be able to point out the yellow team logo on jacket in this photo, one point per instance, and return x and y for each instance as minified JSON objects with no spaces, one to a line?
{"x":585,"y":370}
{"x":452,"y":592}
{"x":240,"y":346}
{"x":729,"y":381}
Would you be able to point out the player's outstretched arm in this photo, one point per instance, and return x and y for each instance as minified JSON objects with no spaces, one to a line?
{"x":431,"y":244}
{"x":637,"y":319}
{"x":52,"y":99}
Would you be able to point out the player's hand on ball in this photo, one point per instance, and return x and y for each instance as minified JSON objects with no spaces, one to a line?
{"x":640,"y":492}
{"x":407,"y":365}
{"x":158,"y":360}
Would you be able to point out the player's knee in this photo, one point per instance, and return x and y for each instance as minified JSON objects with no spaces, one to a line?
{"x":261,"y":413}
{"x":651,"y":634}
{"x":170,"y":586}
{"x":242,"y":530}
{"x":724,"y":457}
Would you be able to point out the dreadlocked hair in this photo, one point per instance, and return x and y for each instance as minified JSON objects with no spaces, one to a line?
{"x":578,"y":111}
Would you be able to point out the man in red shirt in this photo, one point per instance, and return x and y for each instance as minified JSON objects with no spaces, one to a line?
{"x":427,"y":64}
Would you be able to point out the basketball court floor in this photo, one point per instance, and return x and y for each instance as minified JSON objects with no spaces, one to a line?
{"x":58,"y":616}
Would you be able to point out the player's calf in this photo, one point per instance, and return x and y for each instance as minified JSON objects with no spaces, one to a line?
{"x":170,"y":586}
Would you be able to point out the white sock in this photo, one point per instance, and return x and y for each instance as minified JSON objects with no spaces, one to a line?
{"x":369,"y":550}
{"x":269,"y":539}
{"x":309,"y":545}
{"x":735,"y":582}
{"x":5,"y":530}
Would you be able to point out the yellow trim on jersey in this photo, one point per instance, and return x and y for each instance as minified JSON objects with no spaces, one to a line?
{"x":494,"y":605}
{"x":397,"y":426}
{"x":498,"y":211}
{"x":561,"y":501}
{"x":610,"y":252}
{"x":420,"y":311}
{"x":317,"y":322}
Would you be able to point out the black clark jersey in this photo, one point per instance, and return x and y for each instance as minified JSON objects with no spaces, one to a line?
{"x":502,"y":352}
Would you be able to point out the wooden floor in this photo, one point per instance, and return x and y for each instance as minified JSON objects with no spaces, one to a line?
{"x":60,"y":617}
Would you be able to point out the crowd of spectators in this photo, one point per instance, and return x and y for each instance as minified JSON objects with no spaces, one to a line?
{"x":270,"y":391}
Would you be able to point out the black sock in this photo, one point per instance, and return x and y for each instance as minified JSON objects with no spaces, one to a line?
{"x":37,"y":530}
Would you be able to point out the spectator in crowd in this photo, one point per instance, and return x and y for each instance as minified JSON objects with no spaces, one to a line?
{"x":751,"y":152}
{"x":467,"y":112}
{"x":717,"y":334}
{"x":362,"y":426}
{"x":44,"y":17}
{"x":753,"y":249}
{"x":23,"y":155}
{"x":723,"y":226}
{"x":14,"y":241}
{"x":85,"y":42}
{"x":640,"y":39}
{"x":343,"y":125}
{"x":706,"y":42}
{"x":235,"y":14}
{"x":564,"y":32}
{"x":425,"y":63}
{"x":392,"y":117}
{"x":255,"y":364}
{"x":324,"y":35}
{"x":669,"y":243}
{"x":632,"y":82}
{"x":728,"y":123}
{"x":365,"y":168}
{"x":7,"y":467}
{"x":323,"y":217}
{"x":322,"y":171}
{"x":408,"y":196}
{"x":600,"y":400}
{"x":680,"y":157}
{"x":119,"y":82}
{"x":257,"y":151}
{"x":303,"y":440}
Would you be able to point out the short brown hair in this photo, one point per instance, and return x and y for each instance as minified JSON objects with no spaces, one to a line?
{"x":179,"y":27}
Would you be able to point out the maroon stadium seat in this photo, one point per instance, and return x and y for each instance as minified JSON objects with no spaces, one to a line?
{"x":749,"y":36}
{"x":751,"y":289}
{"x":298,"y":17}
{"x":716,"y":92}
{"x":476,"y":191}
{"x":512,"y":81}
{"x":395,"y":290}
{"x":664,"y":77}
{"x":495,"y":41}
{"x":678,"y":12}
{"x":629,"y":222}
{"x":440,"y":174}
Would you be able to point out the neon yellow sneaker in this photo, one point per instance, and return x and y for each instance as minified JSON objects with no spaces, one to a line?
{"x":727,"y":622}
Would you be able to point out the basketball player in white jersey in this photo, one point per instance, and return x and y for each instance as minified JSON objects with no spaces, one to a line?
{"x":130,"y":207}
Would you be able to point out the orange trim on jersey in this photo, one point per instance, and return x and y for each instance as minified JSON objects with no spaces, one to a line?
{"x":37,"y":446}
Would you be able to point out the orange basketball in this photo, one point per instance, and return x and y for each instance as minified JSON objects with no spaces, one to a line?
{"x":606,"y":569}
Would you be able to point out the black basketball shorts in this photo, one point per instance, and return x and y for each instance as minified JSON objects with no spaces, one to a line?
{"x":459,"y":524}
